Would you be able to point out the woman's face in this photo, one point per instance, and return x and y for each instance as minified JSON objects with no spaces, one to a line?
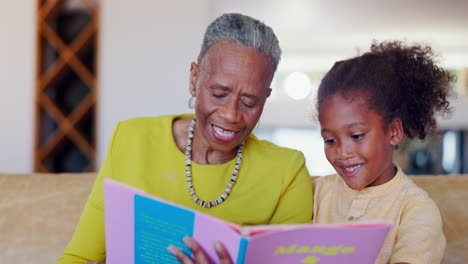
{"x":231,"y":85}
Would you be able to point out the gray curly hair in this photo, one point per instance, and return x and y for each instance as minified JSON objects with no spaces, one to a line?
{"x":244,"y":30}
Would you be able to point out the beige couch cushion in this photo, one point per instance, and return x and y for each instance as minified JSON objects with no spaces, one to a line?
{"x":451,"y":195}
{"x":38,"y":213}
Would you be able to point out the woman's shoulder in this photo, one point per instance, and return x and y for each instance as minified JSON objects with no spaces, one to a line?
{"x":145,"y":125}
{"x":271,"y":159}
{"x":141,"y":122}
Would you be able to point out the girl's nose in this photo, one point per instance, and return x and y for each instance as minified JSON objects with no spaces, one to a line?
{"x":344,"y":152}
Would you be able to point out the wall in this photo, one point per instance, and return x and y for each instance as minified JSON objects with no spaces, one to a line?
{"x":17,"y":54}
{"x":145,"y":55}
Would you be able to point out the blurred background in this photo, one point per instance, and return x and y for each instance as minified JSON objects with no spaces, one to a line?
{"x":71,"y":69}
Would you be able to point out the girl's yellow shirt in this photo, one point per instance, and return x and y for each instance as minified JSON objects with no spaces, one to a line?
{"x":416,"y":235}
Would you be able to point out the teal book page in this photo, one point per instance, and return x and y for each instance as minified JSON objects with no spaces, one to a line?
{"x":158,"y":225}
{"x":244,"y":242}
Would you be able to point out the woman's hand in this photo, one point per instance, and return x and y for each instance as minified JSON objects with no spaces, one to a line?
{"x":199,"y":256}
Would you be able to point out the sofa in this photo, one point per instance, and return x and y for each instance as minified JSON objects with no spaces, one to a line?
{"x":38,"y":213}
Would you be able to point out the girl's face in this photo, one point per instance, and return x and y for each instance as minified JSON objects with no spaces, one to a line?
{"x":357,"y":144}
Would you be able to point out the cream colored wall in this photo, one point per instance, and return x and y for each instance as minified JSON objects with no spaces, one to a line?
{"x":17,"y":56}
{"x":145,"y":55}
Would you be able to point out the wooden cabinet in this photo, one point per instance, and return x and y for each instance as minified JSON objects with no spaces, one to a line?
{"x":66,"y":85}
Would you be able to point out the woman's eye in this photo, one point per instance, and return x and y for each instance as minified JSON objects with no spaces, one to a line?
{"x":248,"y":105}
{"x":357,"y":136}
{"x":218,"y":95}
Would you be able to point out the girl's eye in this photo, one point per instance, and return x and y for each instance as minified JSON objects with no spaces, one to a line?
{"x":357,"y":136}
{"x":329,"y":141}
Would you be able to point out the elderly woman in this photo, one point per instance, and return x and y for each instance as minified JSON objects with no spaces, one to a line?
{"x":209,"y":161}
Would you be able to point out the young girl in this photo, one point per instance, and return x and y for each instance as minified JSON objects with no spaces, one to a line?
{"x":366,"y":105}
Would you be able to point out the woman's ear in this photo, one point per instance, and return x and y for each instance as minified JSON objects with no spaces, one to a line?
{"x":396,"y":131}
{"x":193,"y":78}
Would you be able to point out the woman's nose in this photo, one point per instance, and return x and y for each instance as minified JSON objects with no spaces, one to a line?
{"x":231,"y":111}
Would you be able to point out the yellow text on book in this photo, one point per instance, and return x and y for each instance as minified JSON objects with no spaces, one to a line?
{"x":328,"y":251}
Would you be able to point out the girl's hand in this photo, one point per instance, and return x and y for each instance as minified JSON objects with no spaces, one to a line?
{"x":199,"y":256}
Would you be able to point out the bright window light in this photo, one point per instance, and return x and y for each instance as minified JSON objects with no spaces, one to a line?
{"x":449,"y":150}
{"x":308,"y":141}
{"x":297,"y":85}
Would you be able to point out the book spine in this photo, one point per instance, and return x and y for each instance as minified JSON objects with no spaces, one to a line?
{"x":242,"y":250}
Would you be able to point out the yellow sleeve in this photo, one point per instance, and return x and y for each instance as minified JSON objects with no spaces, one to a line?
{"x":296,"y":202}
{"x":420,"y":237}
{"x":88,"y":241}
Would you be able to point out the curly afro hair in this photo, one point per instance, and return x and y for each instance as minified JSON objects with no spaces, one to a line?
{"x":398,"y":81}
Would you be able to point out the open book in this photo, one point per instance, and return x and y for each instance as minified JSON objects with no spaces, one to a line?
{"x":139,"y":227}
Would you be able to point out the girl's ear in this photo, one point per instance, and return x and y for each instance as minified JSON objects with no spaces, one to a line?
{"x":396,"y":131}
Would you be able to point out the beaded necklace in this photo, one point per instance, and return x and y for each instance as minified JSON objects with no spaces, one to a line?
{"x":188,"y":171}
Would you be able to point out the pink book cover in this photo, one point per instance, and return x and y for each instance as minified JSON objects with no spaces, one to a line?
{"x":139,"y":227}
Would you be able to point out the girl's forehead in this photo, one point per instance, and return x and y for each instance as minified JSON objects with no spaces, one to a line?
{"x":352,"y":95}
{"x":339,"y":111}
{"x":351,"y":98}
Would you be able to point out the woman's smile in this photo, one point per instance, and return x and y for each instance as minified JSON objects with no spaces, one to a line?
{"x":224,"y":135}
